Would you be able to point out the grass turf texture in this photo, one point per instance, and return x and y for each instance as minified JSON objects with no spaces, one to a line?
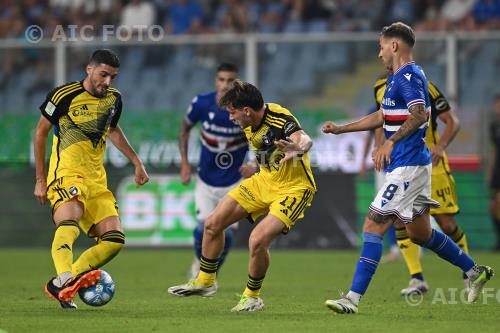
{"x":294,"y":292}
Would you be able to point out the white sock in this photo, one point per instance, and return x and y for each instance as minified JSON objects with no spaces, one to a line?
{"x":354,"y":297}
{"x":474,"y":272}
{"x":61,"y":279}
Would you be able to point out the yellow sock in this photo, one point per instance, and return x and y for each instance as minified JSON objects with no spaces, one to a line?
{"x":107,"y":247}
{"x":208,"y":272}
{"x":253,"y":287}
{"x":409,"y":250}
{"x":62,"y":245}
{"x":459,"y":238}
{"x":206,"y":279}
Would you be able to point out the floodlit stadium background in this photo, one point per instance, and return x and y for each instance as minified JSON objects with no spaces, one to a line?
{"x":317,"y":58}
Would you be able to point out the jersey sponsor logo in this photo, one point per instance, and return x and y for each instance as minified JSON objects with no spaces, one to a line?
{"x":407,"y":76}
{"x":389,"y":102}
{"x":50,"y":108}
{"x":247,"y":193}
{"x":81,"y":111}
{"x":221,"y":129}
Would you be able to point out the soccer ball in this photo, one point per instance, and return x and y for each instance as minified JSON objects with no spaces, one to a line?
{"x":100,"y":293}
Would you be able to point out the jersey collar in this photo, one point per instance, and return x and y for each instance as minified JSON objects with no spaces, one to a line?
{"x":262,"y":120}
{"x":400,"y":68}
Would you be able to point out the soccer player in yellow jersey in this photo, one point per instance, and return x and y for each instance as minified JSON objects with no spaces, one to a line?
{"x":283,"y":188}
{"x":83,"y":114}
{"x":443,"y":185}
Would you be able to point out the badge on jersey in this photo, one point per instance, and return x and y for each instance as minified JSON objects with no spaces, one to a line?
{"x":50,"y":108}
{"x":73,"y":190}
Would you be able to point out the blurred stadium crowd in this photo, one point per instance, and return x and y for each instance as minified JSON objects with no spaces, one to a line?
{"x":243,"y":16}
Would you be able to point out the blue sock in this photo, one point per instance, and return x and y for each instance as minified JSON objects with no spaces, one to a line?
{"x":228,"y":243}
{"x":368,"y":261}
{"x":448,"y":250}
{"x":391,"y":236}
{"x":198,"y":238}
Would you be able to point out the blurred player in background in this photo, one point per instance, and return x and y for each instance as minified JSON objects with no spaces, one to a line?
{"x":494,"y":170}
{"x":223,"y":151}
{"x":83,"y":114}
{"x":283,"y":188}
{"x":406,"y":194}
{"x":376,"y":137}
{"x":443,"y":185}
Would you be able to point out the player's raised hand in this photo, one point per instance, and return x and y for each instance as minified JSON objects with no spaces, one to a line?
{"x":290,"y":148}
{"x":185,"y":173}
{"x":331,"y":127}
{"x":141,"y":176}
{"x":437,"y":154}
{"x":40,"y":191}
{"x":383,"y":154}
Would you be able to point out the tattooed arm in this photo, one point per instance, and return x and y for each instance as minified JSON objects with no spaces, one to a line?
{"x":417,"y":118}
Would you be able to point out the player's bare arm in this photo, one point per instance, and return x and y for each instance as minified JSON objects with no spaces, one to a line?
{"x":295,"y":145}
{"x":183,"y":149}
{"x":452,"y":126}
{"x":120,"y":141}
{"x":369,"y":122}
{"x":417,"y":118}
{"x":40,"y":143}
{"x":248,"y":169}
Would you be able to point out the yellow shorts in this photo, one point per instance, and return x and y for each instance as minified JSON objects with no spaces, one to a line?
{"x":98,"y":202}
{"x":258,"y":197}
{"x":444,"y":192}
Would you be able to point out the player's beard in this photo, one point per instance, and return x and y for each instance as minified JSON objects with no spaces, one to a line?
{"x":96,"y":92}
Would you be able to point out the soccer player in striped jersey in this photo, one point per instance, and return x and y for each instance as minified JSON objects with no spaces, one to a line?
{"x":83,"y":114}
{"x":222,"y":156}
{"x":405,"y":196}
{"x":443,"y":185}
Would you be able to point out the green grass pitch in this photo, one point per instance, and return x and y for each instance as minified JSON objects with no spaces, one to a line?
{"x":294,"y":291}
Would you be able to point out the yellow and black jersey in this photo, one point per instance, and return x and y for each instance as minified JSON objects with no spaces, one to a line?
{"x":439,"y":105}
{"x":279,"y":123}
{"x":81,"y":122}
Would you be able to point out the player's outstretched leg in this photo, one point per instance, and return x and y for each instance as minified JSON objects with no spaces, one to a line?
{"x":371,"y":253}
{"x":445,"y":248}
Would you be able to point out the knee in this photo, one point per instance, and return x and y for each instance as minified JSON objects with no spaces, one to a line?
{"x":212,"y":226}
{"x":256,"y":244}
